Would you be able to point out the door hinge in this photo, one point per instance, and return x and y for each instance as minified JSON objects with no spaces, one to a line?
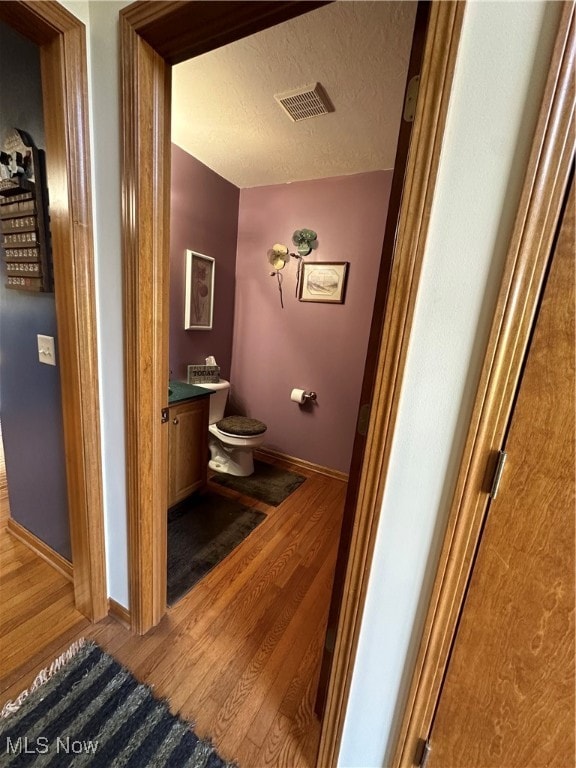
{"x":502,"y":455}
{"x":164,"y":413}
{"x":422,"y":753}
{"x":411,"y":99}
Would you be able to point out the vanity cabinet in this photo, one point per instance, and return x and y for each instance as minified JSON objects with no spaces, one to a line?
{"x":187,"y":448}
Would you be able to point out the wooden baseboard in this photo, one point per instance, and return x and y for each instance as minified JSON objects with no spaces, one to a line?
{"x":118,"y":612}
{"x":265,"y":453}
{"x":41,"y":549}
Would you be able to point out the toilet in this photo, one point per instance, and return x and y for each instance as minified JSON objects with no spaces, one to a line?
{"x":231,"y":439}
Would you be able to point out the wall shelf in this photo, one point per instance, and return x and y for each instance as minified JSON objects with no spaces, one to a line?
{"x":24,"y":220}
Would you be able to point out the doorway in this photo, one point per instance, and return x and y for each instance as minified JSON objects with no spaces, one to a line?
{"x":233,"y":197}
{"x":147,"y":54}
{"x":60,"y":37}
{"x":31,"y":402}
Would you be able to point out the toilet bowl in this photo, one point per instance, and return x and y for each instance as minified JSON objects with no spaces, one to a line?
{"x":233,"y":439}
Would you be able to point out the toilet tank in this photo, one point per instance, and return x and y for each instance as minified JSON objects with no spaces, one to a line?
{"x":218,"y":399}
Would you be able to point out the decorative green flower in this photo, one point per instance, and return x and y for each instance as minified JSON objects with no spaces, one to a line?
{"x":303,"y":239}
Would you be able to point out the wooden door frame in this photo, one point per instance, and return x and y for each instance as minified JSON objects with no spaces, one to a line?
{"x":539,"y":211}
{"x":155,"y":35}
{"x":61,"y":38}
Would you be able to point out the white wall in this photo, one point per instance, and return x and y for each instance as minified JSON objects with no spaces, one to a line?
{"x":502,"y":63}
{"x":104,"y":76}
{"x":80,"y":9}
{"x":101,"y":19}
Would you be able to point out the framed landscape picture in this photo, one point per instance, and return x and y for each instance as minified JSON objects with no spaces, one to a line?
{"x":323,"y":281}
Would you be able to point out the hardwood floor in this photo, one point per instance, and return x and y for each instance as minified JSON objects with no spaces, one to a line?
{"x":36,"y":601}
{"x":239,"y":655}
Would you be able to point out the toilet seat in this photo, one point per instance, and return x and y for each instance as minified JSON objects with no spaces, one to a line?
{"x":241,"y":426}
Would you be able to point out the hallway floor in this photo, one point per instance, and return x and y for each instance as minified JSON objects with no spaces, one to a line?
{"x":36,"y":601}
{"x":239,"y":655}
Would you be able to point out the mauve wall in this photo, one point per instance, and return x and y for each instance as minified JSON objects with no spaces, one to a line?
{"x":203,"y":218}
{"x":321,"y":347}
{"x":30,"y":401}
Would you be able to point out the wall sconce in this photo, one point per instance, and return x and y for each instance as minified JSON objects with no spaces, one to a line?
{"x":279,"y":255}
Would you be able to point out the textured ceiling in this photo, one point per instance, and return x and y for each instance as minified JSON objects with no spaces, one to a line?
{"x":224,"y":112}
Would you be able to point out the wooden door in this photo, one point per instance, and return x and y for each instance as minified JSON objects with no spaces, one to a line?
{"x":508,"y":694}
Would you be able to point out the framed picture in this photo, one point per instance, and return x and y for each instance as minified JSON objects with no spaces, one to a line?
{"x":199,"y":306}
{"x":323,"y":281}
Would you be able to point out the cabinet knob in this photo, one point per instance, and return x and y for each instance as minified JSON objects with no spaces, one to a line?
{"x":175,"y":420}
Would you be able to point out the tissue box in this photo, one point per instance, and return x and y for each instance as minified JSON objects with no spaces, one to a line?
{"x":203,"y":374}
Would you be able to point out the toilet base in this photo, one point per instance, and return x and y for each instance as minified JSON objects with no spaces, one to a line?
{"x":243,"y":468}
{"x":230,"y":460}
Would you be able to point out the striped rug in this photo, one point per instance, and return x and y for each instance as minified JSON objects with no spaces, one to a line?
{"x":88,"y":710}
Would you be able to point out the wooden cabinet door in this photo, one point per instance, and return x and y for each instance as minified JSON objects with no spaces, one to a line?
{"x":508,"y":695}
{"x":188,"y":449}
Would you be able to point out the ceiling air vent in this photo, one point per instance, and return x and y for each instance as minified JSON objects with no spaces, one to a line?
{"x":307,"y":101}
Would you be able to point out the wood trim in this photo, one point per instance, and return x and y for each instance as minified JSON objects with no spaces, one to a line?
{"x":62,"y":40}
{"x":68,"y":164}
{"x":39,"y":24}
{"x":310,"y":466}
{"x":118,"y":612}
{"x":436,"y":80}
{"x":540,"y":206}
{"x":41,"y":549}
{"x":146,"y":187}
{"x":165,"y":26}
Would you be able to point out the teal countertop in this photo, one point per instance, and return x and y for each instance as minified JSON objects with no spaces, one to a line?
{"x":179,"y":391}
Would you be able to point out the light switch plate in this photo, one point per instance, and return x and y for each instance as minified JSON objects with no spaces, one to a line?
{"x":46,"y":352}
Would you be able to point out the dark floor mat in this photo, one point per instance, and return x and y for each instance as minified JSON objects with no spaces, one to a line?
{"x":269,"y":483}
{"x":202,"y":530}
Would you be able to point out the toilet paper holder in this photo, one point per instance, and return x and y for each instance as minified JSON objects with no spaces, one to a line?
{"x":302,"y":396}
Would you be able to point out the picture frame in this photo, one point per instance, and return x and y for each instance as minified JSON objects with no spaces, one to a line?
{"x":199,"y":303}
{"x":323,"y":281}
